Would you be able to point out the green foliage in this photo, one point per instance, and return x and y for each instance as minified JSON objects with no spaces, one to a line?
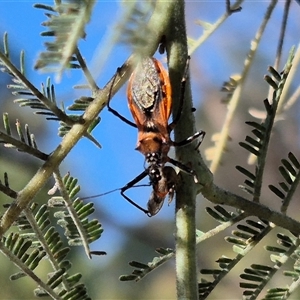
{"x":143,"y":269}
{"x":258,"y":146}
{"x":66,"y":22}
{"x":36,"y":232}
{"x":74,"y":218}
{"x":290,"y":173}
{"x":39,"y":239}
{"x":26,"y":141}
{"x":44,"y":100}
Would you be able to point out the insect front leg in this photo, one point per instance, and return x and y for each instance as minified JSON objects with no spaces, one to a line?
{"x":130,"y":185}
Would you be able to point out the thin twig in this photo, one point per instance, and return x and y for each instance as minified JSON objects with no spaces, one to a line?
{"x":218,"y":195}
{"x":252,"y":158}
{"x":92,"y":83}
{"x":235,"y":99}
{"x":220,"y":228}
{"x":209,"y":31}
{"x":22,"y":146}
{"x":280,"y":41}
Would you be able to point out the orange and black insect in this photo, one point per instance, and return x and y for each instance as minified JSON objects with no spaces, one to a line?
{"x":150,"y":102}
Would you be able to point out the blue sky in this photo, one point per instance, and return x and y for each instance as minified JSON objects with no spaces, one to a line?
{"x":117,"y":162}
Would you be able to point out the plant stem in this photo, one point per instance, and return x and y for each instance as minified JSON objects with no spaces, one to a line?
{"x":186,"y":270}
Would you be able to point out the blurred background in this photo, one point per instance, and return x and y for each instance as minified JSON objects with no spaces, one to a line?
{"x":128,"y":233}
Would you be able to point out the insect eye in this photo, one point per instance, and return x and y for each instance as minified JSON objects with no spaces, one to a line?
{"x":152,"y":157}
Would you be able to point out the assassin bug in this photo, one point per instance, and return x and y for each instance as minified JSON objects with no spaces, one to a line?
{"x":150,"y":102}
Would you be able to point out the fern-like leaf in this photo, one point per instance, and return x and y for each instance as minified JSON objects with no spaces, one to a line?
{"x":74,"y":218}
{"x":290,"y":171}
{"x":27,"y":98}
{"x":43,"y":101}
{"x":244,"y":240}
{"x":66,"y":22}
{"x":257,"y":276}
{"x":230,"y":86}
{"x":30,"y":96}
{"x":220,"y":214}
{"x":21,"y":249}
{"x":258,"y":145}
{"x":26,"y":141}
{"x":81,"y":104}
{"x":143,"y":269}
{"x":38,"y":235}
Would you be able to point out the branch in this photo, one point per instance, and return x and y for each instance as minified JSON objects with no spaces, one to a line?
{"x":26,"y":195}
{"x":22,"y":146}
{"x":218,"y":195}
{"x":186,"y":265}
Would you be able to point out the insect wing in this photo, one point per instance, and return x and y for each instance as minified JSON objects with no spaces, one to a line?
{"x":162,"y":113}
{"x":149,"y":94}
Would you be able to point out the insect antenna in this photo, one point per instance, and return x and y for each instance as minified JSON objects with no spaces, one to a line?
{"x":112,"y":191}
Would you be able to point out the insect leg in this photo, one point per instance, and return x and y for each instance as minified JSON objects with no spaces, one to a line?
{"x":182,"y":92}
{"x":184,"y":168}
{"x":113,"y":111}
{"x":190,"y":139}
{"x":130,"y":185}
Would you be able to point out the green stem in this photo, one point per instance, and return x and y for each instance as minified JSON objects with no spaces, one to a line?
{"x":220,"y":196}
{"x":186,"y":265}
